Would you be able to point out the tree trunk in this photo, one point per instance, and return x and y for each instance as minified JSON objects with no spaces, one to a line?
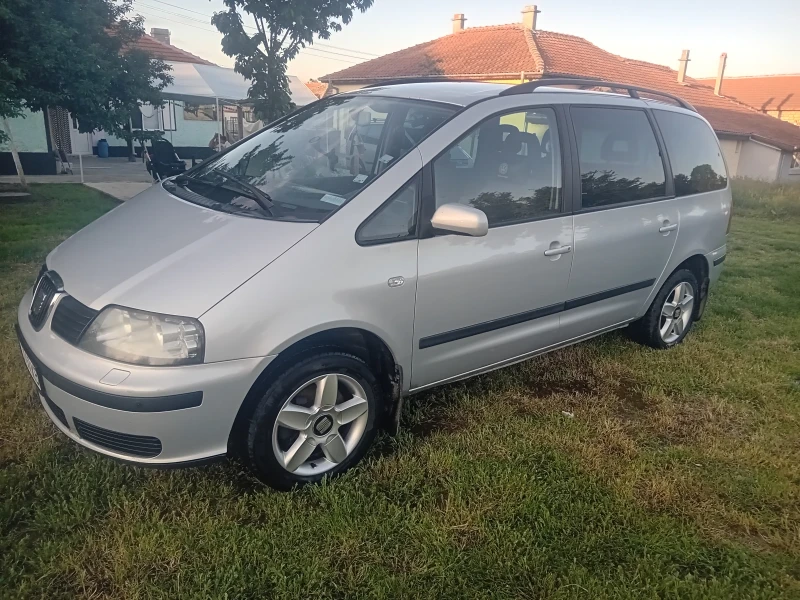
{"x":20,"y":173}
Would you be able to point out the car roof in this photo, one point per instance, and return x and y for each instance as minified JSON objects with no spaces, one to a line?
{"x":465,"y":93}
{"x":460,"y":93}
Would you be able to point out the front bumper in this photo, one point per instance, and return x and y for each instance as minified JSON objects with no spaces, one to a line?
{"x":158,"y":416}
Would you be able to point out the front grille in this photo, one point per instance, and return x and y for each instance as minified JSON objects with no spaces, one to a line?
{"x":124,"y":443}
{"x":56,"y":411}
{"x":43,"y":295}
{"x":71,"y":319}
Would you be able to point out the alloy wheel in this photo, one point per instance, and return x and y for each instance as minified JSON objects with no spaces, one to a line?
{"x":676,"y":314}
{"x":320,"y":424}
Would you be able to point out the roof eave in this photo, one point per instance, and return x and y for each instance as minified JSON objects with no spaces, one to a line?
{"x":738,"y":135}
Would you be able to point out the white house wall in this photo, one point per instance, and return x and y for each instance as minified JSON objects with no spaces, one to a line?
{"x":29,"y":133}
{"x":759,"y":161}
{"x":187,"y":134}
{"x":732,"y":151}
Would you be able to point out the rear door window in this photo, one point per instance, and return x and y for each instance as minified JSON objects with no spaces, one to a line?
{"x":694,"y":153}
{"x":619,"y":156}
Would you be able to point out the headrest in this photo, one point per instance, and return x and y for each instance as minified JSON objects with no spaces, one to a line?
{"x":619,"y":149}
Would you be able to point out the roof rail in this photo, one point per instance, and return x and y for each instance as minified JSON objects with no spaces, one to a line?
{"x":433,"y":79}
{"x":633,"y":90}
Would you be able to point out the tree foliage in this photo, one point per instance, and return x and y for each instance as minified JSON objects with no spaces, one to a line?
{"x":76,"y":54}
{"x":283,"y":28}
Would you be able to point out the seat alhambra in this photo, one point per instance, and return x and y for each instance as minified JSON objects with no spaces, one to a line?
{"x":278,"y":301}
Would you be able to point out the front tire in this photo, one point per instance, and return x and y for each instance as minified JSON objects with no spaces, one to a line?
{"x":672,"y":313}
{"x":317,"y":419}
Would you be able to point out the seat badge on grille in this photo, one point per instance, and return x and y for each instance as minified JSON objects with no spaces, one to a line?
{"x":47,"y":287}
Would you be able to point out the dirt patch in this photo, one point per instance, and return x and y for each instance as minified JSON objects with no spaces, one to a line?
{"x":437,"y":424}
{"x":552,"y":387}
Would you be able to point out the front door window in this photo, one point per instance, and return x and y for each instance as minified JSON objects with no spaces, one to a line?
{"x":509,"y":167}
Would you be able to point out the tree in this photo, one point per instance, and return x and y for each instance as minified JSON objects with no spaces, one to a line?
{"x":283,"y":28}
{"x":78,"y":55}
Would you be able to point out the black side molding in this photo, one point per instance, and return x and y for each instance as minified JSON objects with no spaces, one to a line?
{"x":720,"y":260}
{"x":487,"y":326}
{"x":465,"y":332}
{"x":115,"y":401}
{"x":625,"y":289}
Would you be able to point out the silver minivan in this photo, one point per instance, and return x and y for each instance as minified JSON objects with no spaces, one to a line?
{"x":278,"y":301}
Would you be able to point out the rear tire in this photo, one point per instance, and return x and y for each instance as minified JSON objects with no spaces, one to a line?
{"x":672,"y":313}
{"x":315,"y":420}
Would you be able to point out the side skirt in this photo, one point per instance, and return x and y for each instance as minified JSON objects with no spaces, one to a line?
{"x":520,"y":358}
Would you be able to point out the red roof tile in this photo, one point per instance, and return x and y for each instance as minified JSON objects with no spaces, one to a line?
{"x":509,"y":50}
{"x":767,"y":92}
{"x":317,"y":88}
{"x":164,"y":51}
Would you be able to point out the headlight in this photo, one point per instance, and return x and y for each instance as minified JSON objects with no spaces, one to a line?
{"x":143,"y":338}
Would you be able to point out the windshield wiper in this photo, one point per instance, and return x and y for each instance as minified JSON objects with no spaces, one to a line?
{"x":261,"y":197}
{"x":242,"y":187}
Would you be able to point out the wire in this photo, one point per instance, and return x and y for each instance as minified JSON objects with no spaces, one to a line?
{"x":304,"y":50}
{"x":243,"y":25}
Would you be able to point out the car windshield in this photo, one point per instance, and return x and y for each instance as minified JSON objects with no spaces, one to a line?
{"x":311,"y":163}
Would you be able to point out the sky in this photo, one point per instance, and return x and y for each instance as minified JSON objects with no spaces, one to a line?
{"x":759,"y":37}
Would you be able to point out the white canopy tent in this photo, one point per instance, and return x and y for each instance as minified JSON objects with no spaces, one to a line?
{"x":196,"y":83}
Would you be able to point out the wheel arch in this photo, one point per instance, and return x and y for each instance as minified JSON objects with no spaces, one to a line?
{"x":360,"y":342}
{"x":698,"y":264}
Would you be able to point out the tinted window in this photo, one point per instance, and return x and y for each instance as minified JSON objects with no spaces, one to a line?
{"x":313,"y":161}
{"x":619,"y":156}
{"x":694,"y":153}
{"x":509,"y":167}
{"x":395,"y":220}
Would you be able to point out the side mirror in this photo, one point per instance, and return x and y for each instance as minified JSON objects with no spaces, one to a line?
{"x":458,"y":218}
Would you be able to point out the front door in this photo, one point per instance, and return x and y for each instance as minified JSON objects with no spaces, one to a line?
{"x":483,"y":301}
{"x":625,"y":228}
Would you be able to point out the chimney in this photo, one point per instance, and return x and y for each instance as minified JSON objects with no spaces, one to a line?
{"x":684,"y":62}
{"x":162,"y":35}
{"x":723,"y":60}
{"x":529,"y":16}
{"x":458,"y":22}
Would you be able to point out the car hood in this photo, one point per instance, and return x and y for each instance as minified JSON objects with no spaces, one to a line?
{"x":159,"y":253}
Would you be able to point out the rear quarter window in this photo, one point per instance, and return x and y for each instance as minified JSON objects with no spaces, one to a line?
{"x":694,"y":153}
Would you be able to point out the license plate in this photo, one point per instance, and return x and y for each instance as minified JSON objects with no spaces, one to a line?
{"x":31,"y":367}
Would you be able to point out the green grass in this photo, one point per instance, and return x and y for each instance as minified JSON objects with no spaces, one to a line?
{"x":677,"y":477}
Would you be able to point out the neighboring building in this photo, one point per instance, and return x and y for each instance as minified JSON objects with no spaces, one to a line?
{"x":189,"y":118}
{"x":755,"y":145}
{"x":775,"y":95}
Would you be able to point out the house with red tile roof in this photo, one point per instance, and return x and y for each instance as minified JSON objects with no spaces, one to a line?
{"x":158,"y":45}
{"x":775,"y":95}
{"x":755,"y":144}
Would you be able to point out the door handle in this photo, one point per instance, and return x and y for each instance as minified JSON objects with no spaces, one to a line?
{"x":668,"y":228}
{"x":557,"y":251}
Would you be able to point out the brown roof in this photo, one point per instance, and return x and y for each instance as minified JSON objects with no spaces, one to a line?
{"x":506,"y":51}
{"x":766,"y":92}
{"x":164,"y":51}
{"x":317,"y":88}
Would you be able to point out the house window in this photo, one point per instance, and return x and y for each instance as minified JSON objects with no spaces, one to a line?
{"x":795,"y":164}
{"x":199,"y":112}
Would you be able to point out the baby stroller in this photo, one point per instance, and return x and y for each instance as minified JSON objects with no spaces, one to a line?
{"x":162,"y":161}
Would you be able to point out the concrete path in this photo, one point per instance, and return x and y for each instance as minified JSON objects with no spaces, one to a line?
{"x":121,"y":190}
{"x":95,"y":170}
